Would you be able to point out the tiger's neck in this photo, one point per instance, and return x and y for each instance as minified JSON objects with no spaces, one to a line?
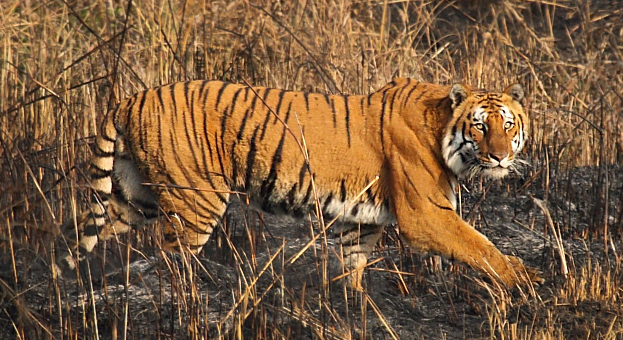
{"x":407,"y":124}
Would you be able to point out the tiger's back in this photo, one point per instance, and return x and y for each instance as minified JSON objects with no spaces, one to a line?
{"x":197,"y":142}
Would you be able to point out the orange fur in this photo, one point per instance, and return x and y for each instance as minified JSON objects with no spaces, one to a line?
{"x":217,"y":137}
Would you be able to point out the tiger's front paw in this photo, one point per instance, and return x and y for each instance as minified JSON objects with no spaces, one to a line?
{"x":525,"y":274}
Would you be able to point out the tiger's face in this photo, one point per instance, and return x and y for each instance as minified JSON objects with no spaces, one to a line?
{"x":486,"y":133}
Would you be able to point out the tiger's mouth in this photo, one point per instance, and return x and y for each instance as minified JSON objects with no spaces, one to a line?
{"x":478,"y":166}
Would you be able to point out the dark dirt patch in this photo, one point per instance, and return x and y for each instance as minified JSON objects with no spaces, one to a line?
{"x":436,"y":298}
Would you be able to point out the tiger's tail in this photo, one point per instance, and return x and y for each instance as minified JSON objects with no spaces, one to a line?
{"x":90,"y":224}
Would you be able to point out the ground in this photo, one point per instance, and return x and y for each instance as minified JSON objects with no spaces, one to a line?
{"x":431,"y":298}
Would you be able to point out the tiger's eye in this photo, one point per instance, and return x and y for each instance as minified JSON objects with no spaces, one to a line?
{"x":508,"y":125}
{"x":479,"y":126}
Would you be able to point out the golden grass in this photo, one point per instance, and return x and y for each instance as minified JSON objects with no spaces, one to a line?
{"x":63,"y":64}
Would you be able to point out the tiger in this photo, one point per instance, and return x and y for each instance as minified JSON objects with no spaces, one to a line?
{"x":177,"y":153}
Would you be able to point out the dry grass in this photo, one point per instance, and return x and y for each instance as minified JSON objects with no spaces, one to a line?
{"x":64,"y":63}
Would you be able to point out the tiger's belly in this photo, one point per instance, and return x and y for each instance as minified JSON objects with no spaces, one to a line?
{"x":359,"y":212}
{"x":349,"y":211}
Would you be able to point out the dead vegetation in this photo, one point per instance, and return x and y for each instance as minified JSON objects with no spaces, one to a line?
{"x":64,"y":63}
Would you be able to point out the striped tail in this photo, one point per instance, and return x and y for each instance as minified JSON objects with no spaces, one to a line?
{"x":91,"y":223}
{"x":100,"y":171}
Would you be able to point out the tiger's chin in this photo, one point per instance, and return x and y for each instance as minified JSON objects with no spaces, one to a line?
{"x":484,"y":171}
{"x":497,"y":172}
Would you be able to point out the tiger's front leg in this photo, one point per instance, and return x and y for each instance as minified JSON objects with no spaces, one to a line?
{"x":428,"y":222}
{"x":446,"y":233}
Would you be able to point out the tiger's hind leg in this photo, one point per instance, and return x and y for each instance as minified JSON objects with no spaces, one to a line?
{"x":191,"y":216}
{"x":357,"y":242}
{"x":120,"y":203}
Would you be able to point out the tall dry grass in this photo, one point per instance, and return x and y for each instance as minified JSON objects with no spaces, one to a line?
{"x":64,"y":63}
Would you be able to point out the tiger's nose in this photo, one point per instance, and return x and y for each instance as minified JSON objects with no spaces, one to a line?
{"x":498,"y":156}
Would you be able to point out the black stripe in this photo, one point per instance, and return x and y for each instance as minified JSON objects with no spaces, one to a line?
{"x":247,"y":114}
{"x":453,"y":134}
{"x":191,"y":201}
{"x":219,"y":95}
{"x":219,"y":157}
{"x":307,"y":196}
{"x":361,"y":106}
{"x":97,"y":169}
{"x":329,"y":100}
{"x":327,"y":201}
{"x":198,"y":230}
{"x":411,"y":202}
{"x":306,"y":97}
{"x":91,"y":230}
{"x":170,"y":237}
{"x":159,"y":115}
{"x":101,"y":195}
{"x":199,"y":108}
{"x":288,"y":112}
{"x":172,"y":182}
{"x":190,"y":131}
{"x":463,"y":143}
{"x":196,"y":206}
{"x":419,"y":96}
{"x":206,"y":135}
{"x":402,"y":88}
{"x":347,"y":118}
{"x":97,"y":151}
{"x":304,"y":170}
{"x":186,"y":91}
{"x":102,"y":126}
{"x":243,"y":124}
{"x":251,"y":159}
{"x":381,"y":127}
{"x":234,"y":164}
{"x":173,"y":111}
{"x":256,"y":95}
{"x":370,"y":194}
{"x":439,"y":205}
{"x":406,"y":101}
{"x":99,"y":174}
{"x":291,"y":196}
{"x":128,"y":223}
{"x":279,"y":102}
{"x":268,"y":111}
{"x":268,"y":185}
{"x":103,"y":134}
{"x":141,"y":134}
{"x":227,"y":114}
{"x":343,"y":190}
{"x":192,"y":108}
{"x":94,"y":216}
{"x":365,"y":231}
{"x":391,"y":105}
{"x":149,"y":214}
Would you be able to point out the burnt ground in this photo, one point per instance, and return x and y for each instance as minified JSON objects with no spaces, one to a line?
{"x":433,"y":298}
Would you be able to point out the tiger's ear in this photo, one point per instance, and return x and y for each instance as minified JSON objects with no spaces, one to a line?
{"x":458,"y":93}
{"x":515,"y":91}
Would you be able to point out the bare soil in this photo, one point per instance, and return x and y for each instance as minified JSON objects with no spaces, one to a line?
{"x":434,"y":298}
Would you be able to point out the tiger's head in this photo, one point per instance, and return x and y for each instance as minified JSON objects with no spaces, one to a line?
{"x":486,"y":132}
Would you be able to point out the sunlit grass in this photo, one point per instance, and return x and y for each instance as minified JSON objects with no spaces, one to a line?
{"x":62,"y":65}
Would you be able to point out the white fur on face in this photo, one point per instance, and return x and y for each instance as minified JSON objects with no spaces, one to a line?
{"x":460,"y":152}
